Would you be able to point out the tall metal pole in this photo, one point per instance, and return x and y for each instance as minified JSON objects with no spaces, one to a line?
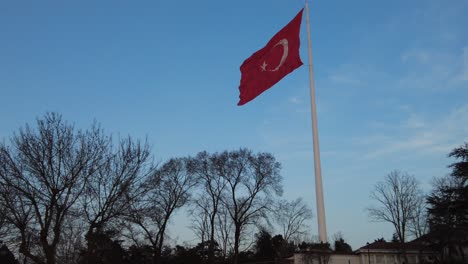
{"x":318,"y":171}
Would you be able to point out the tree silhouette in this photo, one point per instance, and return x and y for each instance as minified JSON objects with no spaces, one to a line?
{"x":43,"y":172}
{"x":165,"y":191}
{"x":398,"y":198}
{"x":448,"y":207}
{"x":252,"y":180}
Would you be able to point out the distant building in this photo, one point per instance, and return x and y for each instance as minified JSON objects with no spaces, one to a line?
{"x":381,"y":252}
{"x":378,"y":252}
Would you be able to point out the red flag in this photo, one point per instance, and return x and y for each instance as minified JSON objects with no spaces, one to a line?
{"x":270,"y":64}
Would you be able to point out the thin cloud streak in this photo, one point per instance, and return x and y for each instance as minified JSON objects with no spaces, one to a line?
{"x":414,"y":135}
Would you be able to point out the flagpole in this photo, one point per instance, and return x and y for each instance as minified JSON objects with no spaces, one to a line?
{"x":318,"y":171}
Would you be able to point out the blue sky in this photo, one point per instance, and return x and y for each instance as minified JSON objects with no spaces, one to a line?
{"x":391,"y":84}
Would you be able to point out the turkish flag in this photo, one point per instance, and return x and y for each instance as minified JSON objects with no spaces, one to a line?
{"x":270,"y":64}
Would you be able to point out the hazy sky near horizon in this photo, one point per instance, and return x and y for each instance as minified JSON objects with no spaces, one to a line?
{"x":391,"y":83}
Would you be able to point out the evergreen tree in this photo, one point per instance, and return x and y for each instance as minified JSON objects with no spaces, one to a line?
{"x":6,"y":257}
{"x":395,"y":238}
{"x":448,"y":208}
{"x":263,"y":246}
{"x":342,"y":246}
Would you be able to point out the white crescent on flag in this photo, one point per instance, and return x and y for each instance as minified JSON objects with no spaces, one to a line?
{"x":284,"y":43}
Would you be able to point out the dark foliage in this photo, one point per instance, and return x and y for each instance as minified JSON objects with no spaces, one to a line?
{"x":263,"y":246}
{"x":304,"y":246}
{"x":448,"y":209}
{"x":342,"y":247}
{"x":104,"y":250}
{"x":6,"y":257}
{"x":315,"y":252}
{"x":140,"y":255}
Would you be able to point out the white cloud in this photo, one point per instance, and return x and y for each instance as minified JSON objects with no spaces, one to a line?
{"x":464,"y":68}
{"x":422,"y":135}
{"x":415,"y":121}
{"x":350,"y":74}
{"x":423,"y":69}
{"x":431,"y":70}
{"x":295,"y":100}
{"x":420,"y":56}
{"x":343,"y":78}
{"x":434,"y":70}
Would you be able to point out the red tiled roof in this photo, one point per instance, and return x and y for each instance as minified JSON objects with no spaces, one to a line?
{"x":382,"y":245}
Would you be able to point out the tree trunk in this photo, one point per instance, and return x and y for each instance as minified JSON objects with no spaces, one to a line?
{"x":50,"y":255}
{"x":157,"y":256}
{"x":49,"y":250}
{"x":462,"y":253}
{"x":91,"y":243}
{"x":211,"y":245}
{"x":401,"y":236}
{"x":158,"y":249}
{"x":236,"y":244}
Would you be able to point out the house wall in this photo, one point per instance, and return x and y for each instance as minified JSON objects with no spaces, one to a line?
{"x":333,"y":259}
{"x":379,"y":258}
{"x":375,"y":258}
{"x":344,"y":259}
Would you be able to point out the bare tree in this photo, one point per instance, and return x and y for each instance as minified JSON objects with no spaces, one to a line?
{"x":292,"y":217}
{"x":252,"y":179}
{"x":167,"y":190}
{"x":114,"y":186}
{"x":42,"y":174}
{"x":224,"y":230}
{"x":71,"y":244}
{"x":7,"y":231}
{"x":419,"y":225}
{"x":399,"y":199}
{"x":209,"y":168}
{"x":200,"y":219}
